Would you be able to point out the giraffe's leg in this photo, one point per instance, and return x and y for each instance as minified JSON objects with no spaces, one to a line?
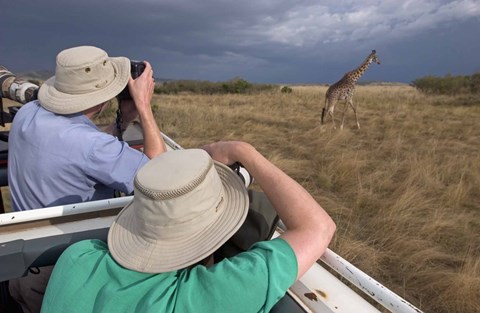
{"x":344,"y":111}
{"x":325,"y":110}
{"x":330,"y":112}
{"x":354,"y":107}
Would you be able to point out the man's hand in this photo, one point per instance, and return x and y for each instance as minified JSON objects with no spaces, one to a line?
{"x":141,"y":89}
{"x":224,"y":151}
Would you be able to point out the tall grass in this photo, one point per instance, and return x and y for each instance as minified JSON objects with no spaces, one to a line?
{"x":403,"y":190}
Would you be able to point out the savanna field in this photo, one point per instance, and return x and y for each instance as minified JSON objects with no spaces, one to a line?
{"x":404,"y":189}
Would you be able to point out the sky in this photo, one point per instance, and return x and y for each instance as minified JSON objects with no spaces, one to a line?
{"x":263,"y":41}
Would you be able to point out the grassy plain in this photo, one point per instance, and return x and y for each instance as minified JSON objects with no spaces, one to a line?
{"x":404,"y":190}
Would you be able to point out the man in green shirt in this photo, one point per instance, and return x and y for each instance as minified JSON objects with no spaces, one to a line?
{"x":160,"y":249}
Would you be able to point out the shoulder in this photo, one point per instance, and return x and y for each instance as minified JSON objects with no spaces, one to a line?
{"x":265,"y":261}
{"x":32,"y":105}
{"x":83,"y":249}
{"x":251,"y":281}
{"x":27,"y":110}
{"x":276,"y":252}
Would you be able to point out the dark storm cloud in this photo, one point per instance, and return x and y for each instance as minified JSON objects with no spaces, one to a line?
{"x":269,"y":41}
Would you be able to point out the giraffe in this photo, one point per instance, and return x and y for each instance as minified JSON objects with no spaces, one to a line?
{"x":344,"y":89}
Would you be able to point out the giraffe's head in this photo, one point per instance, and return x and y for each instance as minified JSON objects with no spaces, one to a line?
{"x":373,"y":57}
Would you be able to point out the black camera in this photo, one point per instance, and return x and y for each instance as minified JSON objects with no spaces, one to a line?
{"x":241,"y":171}
{"x":136,"y":69}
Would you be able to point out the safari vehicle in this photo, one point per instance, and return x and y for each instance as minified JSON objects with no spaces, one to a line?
{"x":36,"y":238}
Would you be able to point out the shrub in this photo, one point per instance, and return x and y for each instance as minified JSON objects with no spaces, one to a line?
{"x":475,"y":83}
{"x":234,"y":86}
{"x":448,"y":85}
{"x":286,"y":89}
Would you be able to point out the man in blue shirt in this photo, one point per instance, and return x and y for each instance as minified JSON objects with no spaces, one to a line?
{"x":58,"y":156}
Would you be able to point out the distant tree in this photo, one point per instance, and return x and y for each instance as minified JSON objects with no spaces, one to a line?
{"x":235,"y":85}
{"x":449,"y":84}
{"x":475,"y":83}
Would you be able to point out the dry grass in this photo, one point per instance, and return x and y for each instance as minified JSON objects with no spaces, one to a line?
{"x":404,"y":189}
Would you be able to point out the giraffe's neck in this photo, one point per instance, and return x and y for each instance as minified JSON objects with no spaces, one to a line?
{"x":358,"y":72}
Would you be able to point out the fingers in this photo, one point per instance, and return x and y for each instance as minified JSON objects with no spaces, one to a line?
{"x":148,"y":69}
{"x":220,"y":151}
{"x":148,"y":72}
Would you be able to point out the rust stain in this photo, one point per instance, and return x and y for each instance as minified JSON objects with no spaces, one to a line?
{"x":321,"y":293}
{"x":311,"y":296}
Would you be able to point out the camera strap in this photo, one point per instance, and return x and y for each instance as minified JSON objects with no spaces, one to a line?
{"x":119,"y":121}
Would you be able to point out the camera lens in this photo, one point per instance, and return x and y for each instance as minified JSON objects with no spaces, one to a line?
{"x":15,"y":88}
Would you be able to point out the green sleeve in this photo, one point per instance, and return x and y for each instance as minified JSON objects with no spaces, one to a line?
{"x":253,"y":281}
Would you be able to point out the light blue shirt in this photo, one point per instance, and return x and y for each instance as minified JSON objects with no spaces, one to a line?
{"x":57,"y":160}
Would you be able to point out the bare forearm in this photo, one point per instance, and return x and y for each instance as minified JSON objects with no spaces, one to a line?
{"x":153,"y":143}
{"x":141,"y":90}
{"x":293,"y":203}
{"x":309,"y":227}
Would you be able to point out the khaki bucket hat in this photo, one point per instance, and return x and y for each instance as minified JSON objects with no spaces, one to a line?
{"x":85,"y":76}
{"x":185,"y":206}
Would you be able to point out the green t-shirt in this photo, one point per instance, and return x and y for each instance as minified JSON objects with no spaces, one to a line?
{"x":87,"y":279}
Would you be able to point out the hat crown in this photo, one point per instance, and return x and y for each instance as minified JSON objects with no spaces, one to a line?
{"x":177,"y":194}
{"x":180,"y":180}
{"x":185,"y":207}
{"x":83,"y":70}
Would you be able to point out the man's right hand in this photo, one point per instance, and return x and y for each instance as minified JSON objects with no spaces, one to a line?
{"x":141,"y":89}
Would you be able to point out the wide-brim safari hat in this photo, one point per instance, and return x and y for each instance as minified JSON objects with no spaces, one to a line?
{"x":85,"y":76}
{"x":185,"y":206}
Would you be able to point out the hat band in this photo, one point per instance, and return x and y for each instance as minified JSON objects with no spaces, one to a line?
{"x":182,"y":229}
{"x":172,"y":194}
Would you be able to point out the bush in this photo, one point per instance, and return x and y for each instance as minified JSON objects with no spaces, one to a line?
{"x":286,"y":89}
{"x":475,"y":83}
{"x":449,"y":85}
{"x":236,"y":85}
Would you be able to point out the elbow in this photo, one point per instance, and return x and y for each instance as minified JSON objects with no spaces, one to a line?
{"x":327,"y":228}
{"x":331,"y":228}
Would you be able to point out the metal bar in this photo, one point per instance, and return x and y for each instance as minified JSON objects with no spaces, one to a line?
{"x":390,"y":300}
{"x":169,"y":141}
{"x":321,"y":291}
{"x":63,"y":210}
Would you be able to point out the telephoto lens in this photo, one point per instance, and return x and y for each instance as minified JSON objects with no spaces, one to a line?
{"x":16,"y":89}
{"x":241,"y":171}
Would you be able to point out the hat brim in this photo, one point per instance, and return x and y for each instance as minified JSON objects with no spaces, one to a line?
{"x":63,"y":103}
{"x":134,"y":252}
